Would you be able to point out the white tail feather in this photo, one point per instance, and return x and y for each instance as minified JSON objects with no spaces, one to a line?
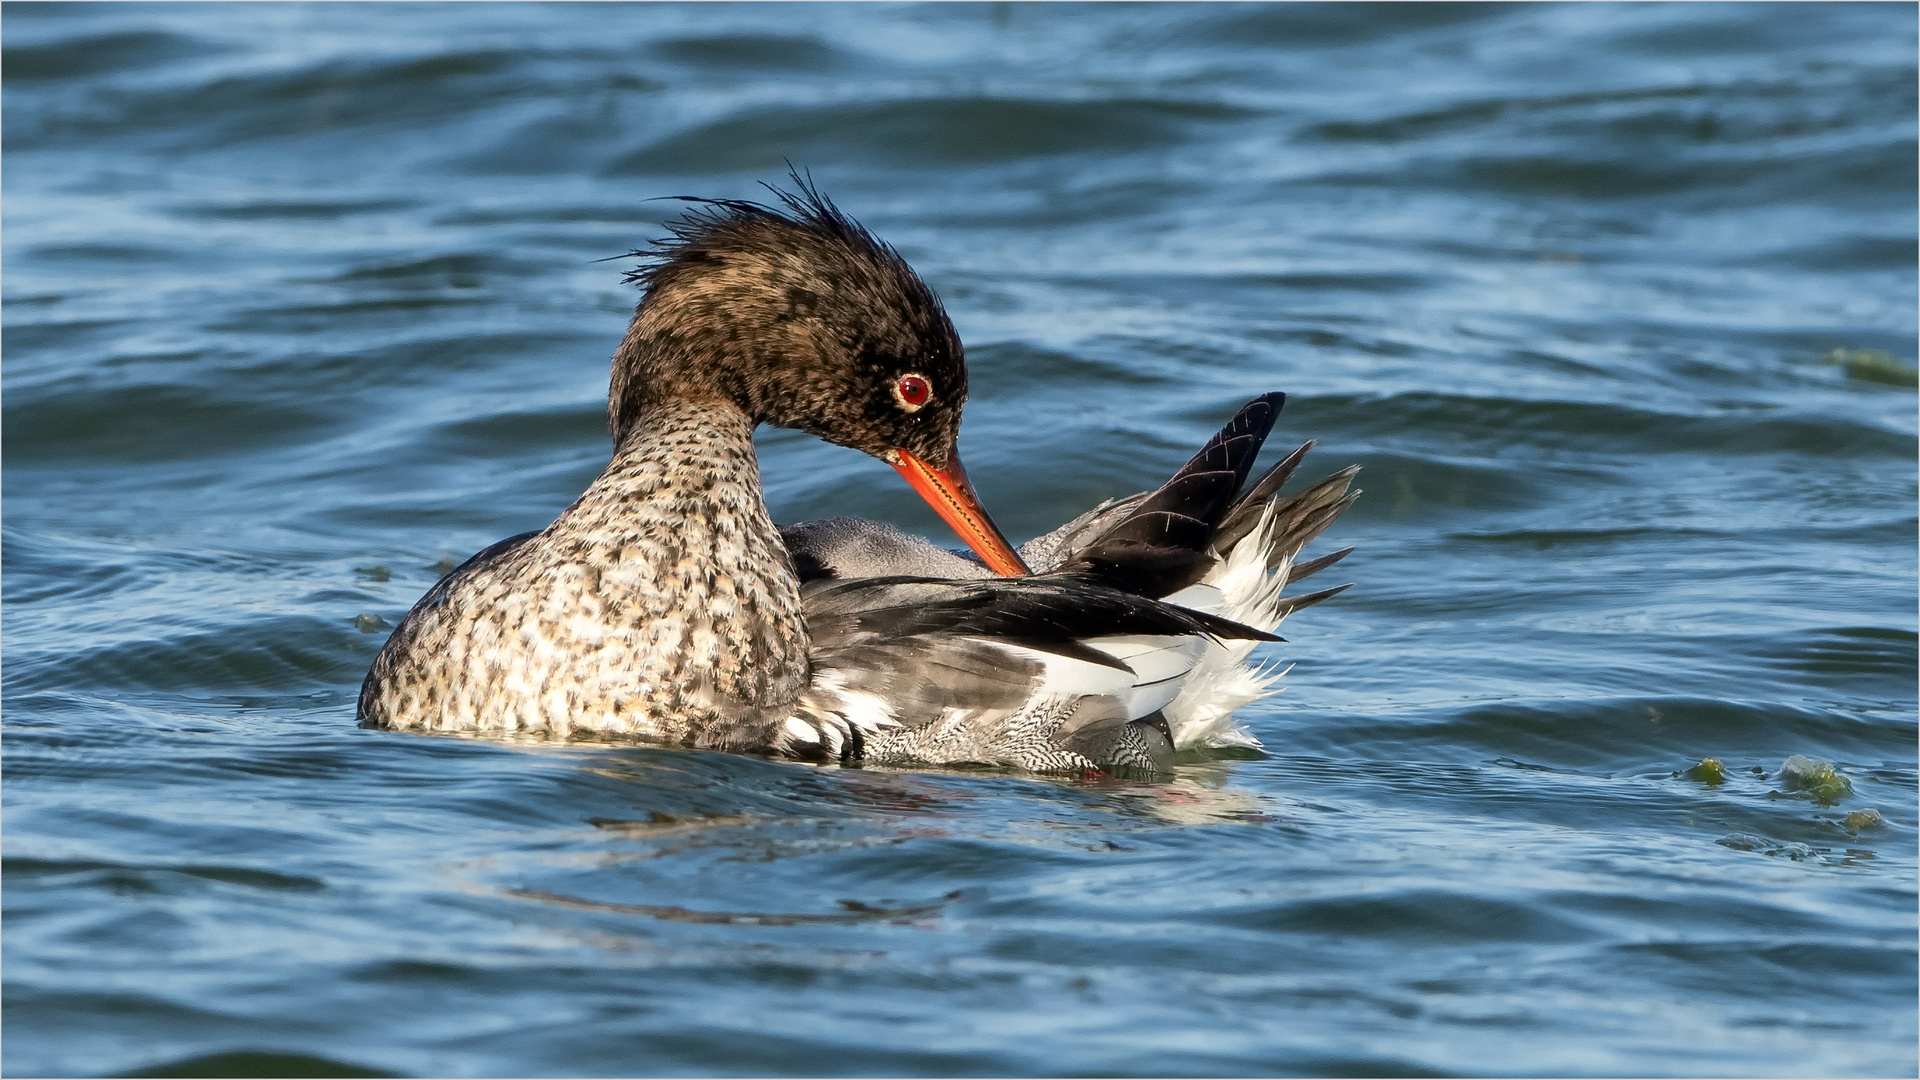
{"x":1202,"y":715}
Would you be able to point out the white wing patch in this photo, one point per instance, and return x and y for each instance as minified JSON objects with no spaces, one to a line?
{"x":1065,"y":677}
{"x":1158,"y":664}
{"x":829,"y":713}
{"x":1202,"y":595}
{"x":1161,"y":665}
{"x":867,"y":711}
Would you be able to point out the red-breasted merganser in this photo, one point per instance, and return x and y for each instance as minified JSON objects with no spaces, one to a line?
{"x":665,"y":605}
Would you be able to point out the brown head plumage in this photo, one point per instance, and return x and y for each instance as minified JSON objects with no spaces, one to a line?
{"x":800,"y":317}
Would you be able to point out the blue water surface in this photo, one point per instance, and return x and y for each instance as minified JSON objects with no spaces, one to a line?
{"x":1615,"y":305}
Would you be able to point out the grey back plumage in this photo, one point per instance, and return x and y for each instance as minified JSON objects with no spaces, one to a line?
{"x":847,"y":548}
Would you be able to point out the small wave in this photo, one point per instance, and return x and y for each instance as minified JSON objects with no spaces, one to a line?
{"x":99,"y":54}
{"x":283,"y":654}
{"x":755,"y":52}
{"x":256,"y":1063}
{"x":28,"y":872}
{"x":921,"y":134}
{"x":1618,"y":733}
{"x":1421,"y":916}
{"x":1467,"y":421}
{"x":1299,"y":26}
{"x":326,"y":96}
{"x":165,"y":422}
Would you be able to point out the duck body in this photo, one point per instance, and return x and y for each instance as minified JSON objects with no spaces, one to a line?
{"x":661,"y":605}
{"x":665,"y":605}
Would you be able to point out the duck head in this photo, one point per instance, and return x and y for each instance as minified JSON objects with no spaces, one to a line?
{"x":802,"y":319}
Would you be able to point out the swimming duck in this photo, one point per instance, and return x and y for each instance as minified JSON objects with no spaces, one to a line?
{"x":665,"y":605}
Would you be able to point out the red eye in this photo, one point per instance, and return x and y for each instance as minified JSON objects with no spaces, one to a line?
{"x":912,"y":391}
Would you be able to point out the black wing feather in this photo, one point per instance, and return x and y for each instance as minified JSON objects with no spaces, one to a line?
{"x":1162,"y":546}
{"x":1246,"y":512}
{"x":1053,"y":608}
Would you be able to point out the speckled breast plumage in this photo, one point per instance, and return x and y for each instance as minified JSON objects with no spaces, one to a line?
{"x":661,"y":604}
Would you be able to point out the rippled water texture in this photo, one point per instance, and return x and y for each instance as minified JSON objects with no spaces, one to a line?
{"x":1615,"y":305}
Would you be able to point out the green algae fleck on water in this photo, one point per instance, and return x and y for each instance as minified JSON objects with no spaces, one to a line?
{"x":1818,"y":779}
{"x":1868,"y":818}
{"x":1709,"y":772}
{"x":1874,"y":365}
